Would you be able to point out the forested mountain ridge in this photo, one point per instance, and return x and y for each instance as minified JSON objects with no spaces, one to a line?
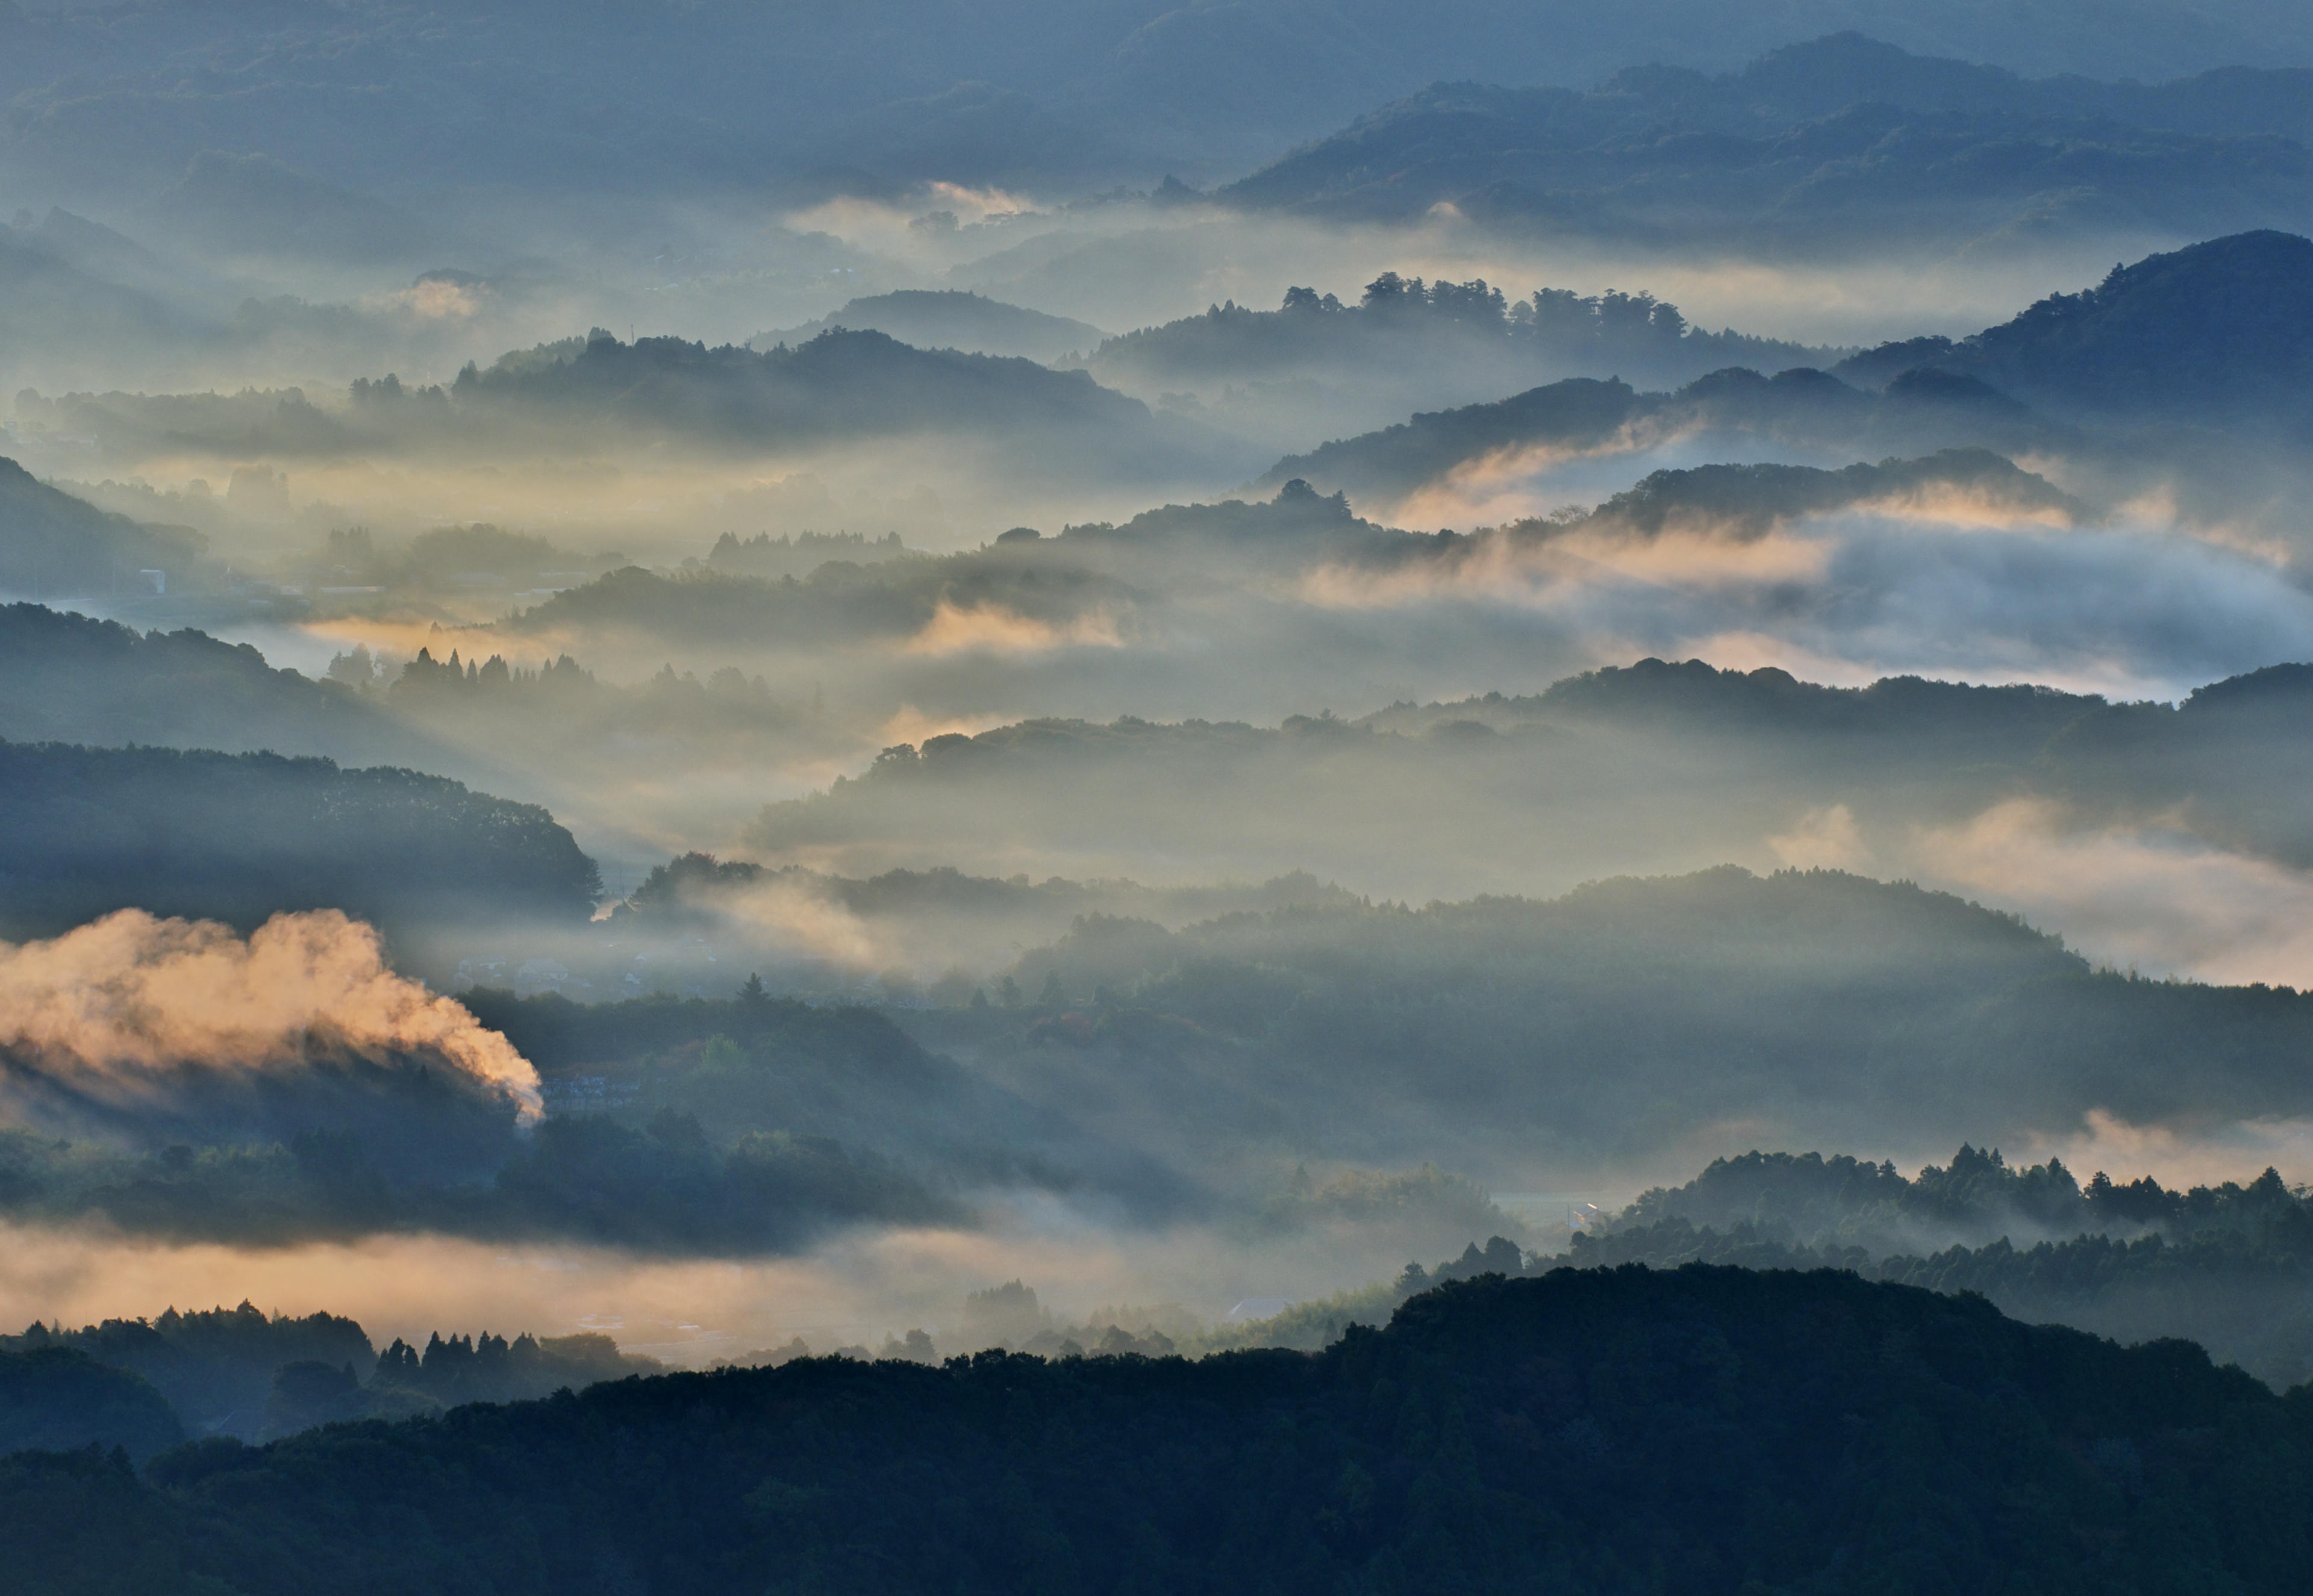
{"x":2220,"y":331}
{"x":1404,"y":336}
{"x":2229,"y":1265}
{"x":243,"y":1373}
{"x":1537,"y":792}
{"x":1713,"y":1426}
{"x":70,"y":678}
{"x":841,"y":386}
{"x":848,"y":382}
{"x":1602,"y":1026}
{"x":55,"y":546}
{"x":240,"y":838}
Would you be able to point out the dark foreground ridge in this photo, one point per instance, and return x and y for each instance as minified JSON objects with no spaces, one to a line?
{"x":1700,"y":1430}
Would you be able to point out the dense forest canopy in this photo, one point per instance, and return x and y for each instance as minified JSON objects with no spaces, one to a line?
{"x":1716,"y":1425}
{"x":145,"y":1384}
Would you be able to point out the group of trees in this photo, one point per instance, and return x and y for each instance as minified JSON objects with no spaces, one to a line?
{"x":145,"y":1384}
{"x":800,"y":555}
{"x":2229,"y":1266}
{"x":1398,"y":316}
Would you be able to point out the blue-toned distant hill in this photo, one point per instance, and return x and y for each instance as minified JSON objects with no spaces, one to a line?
{"x":949,"y":319}
{"x":1841,"y":143}
{"x":642,"y":97}
{"x":53,"y":545}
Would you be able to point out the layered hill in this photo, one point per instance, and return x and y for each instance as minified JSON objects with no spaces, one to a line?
{"x":2225,"y":1264}
{"x":1612,"y":1021}
{"x":1649,"y":768}
{"x":949,"y":319}
{"x":1319,"y":362}
{"x":2219,"y":332}
{"x":69,"y":677}
{"x":1800,"y":409}
{"x":840,"y":390}
{"x":55,"y":546}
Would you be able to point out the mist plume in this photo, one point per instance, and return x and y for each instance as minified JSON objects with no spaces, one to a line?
{"x":116,"y":1006}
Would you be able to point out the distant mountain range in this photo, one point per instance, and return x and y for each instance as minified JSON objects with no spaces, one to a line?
{"x":647,"y":96}
{"x":1840,"y":142}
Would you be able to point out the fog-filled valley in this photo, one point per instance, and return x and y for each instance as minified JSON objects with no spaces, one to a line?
{"x":1249,"y":796}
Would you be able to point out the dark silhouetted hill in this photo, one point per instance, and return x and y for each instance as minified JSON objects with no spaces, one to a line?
{"x":72,"y":679}
{"x":239,"y":837}
{"x":2227,"y":1265}
{"x":2216,"y":333}
{"x":1713,"y":1426}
